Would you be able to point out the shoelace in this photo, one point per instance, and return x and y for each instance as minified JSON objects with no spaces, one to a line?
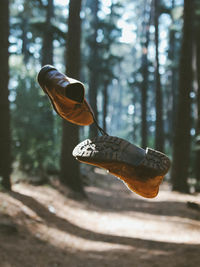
{"x":95,"y":121}
{"x":97,"y":125}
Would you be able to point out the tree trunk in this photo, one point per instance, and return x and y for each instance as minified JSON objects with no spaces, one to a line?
{"x":105,"y":104}
{"x":5,"y":140}
{"x":70,"y":171}
{"x":47,"y":58}
{"x":197,"y":167}
{"x":47,"y":48}
{"x":159,"y":140}
{"x":172,"y":109}
{"x":181,"y":150}
{"x":25,"y":51}
{"x":25,"y":41}
{"x":94,"y":73}
{"x":145,"y":46}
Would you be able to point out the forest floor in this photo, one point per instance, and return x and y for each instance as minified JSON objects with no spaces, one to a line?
{"x":41,"y":227}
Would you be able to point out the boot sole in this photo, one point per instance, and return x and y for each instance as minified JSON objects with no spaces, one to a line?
{"x":113,"y":149}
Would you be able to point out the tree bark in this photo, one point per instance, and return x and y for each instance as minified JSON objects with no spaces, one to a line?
{"x":173,"y":92}
{"x":159,"y":140}
{"x":145,"y":46}
{"x":47,"y":48}
{"x":25,"y":41}
{"x":5,"y":138}
{"x":181,"y":150}
{"x":197,"y":167}
{"x":70,"y":171}
{"x":47,"y":58}
{"x":105,"y":104}
{"x":25,"y":51}
{"x":93,"y":66}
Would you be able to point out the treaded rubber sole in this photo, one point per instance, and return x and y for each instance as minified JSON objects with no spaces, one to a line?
{"x":157,"y":161}
{"x":114,"y":149}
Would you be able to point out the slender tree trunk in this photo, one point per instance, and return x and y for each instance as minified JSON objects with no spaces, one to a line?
{"x":159,"y":144}
{"x":145,"y":46}
{"x":47,"y":48}
{"x":25,"y":51}
{"x":5,"y":140}
{"x":181,"y":147}
{"x":105,"y":104}
{"x":117,"y":111}
{"x":47,"y":58}
{"x":25,"y":41}
{"x":144,"y":98}
{"x":70,"y":171}
{"x":94,"y":73}
{"x":197,"y":167}
{"x":173,"y":94}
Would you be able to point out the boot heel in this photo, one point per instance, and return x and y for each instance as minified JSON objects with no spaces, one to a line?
{"x":156,"y":161}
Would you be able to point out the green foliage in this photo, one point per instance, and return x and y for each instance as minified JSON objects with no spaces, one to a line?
{"x":33,"y":139}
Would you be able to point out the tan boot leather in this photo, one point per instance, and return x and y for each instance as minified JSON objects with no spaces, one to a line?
{"x":67,"y":96}
{"x":141,"y":170}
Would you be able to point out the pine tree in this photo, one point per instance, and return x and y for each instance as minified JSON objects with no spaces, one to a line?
{"x":173,"y":91}
{"x":47,"y":58}
{"x":5,"y":138}
{"x":70,"y":171}
{"x":197,"y":41}
{"x":181,"y":152}
{"x":47,"y":48}
{"x":94,"y":64}
{"x":159,"y":139}
{"x":144,"y":70}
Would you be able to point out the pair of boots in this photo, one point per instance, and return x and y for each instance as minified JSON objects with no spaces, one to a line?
{"x":141,"y":170}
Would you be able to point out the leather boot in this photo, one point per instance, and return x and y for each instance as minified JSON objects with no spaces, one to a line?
{"x":141,"y":170}
{"x":67,"y":96}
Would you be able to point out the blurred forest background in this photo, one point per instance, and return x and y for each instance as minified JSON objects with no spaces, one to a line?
{"x":140,"y":62}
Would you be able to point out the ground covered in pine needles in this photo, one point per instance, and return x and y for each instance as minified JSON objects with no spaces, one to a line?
{"x":41,"y":226}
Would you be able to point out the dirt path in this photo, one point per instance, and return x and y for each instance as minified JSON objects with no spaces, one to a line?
{"x":41,"y":227}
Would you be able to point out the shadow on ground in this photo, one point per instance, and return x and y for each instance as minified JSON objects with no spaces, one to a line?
{"x":137,"y":252}
{"x":100,"y":202}
{"x":24,"y":247}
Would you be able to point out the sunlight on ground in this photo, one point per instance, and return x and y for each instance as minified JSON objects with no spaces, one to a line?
{"x":113,"y":227}
{"x":134,"y":224}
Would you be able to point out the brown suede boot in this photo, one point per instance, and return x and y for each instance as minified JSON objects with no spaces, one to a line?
{"x":141,"y":170}
{"x":67,"y":96}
